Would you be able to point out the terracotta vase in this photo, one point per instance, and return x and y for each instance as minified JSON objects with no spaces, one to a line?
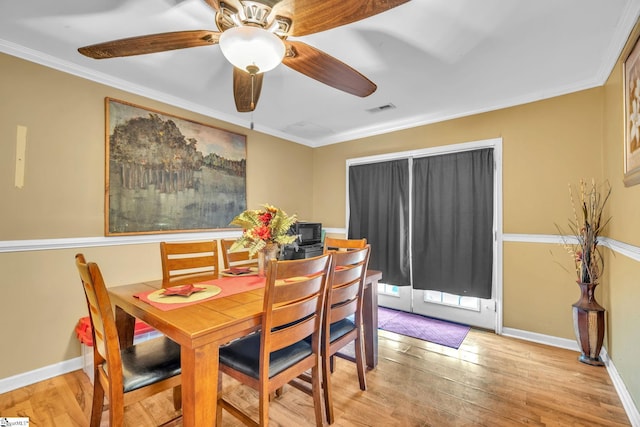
{"x":588,"y":323}
{"x":264,"y":256}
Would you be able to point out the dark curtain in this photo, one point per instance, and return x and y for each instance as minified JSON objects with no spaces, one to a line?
{"x":452,"y":244}
{"x":379,"y":212}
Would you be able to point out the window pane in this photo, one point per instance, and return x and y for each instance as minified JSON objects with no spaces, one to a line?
{"x":437,"y":297}
{"x":390,"y":290}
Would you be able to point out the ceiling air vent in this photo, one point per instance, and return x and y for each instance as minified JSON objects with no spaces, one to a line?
{"x":381,"y":108}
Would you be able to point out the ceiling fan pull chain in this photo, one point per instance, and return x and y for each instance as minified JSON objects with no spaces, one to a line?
{"x":253,"y":106}
{"x":253,"y":80}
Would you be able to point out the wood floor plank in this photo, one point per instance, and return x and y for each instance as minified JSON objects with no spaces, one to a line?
{"x":489,"y":381}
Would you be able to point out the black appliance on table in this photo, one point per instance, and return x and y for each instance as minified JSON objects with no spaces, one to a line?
{"x":308,"y":243}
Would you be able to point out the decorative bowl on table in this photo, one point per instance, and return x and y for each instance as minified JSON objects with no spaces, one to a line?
{"x":183,"y":291}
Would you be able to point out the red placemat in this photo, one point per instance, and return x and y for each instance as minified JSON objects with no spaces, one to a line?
{"x":229,"y":286}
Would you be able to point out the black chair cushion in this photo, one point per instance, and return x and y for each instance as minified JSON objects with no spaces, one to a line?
{"x":340,"y":328}
{"x":244,"y":355}
{"x":149,"y":362}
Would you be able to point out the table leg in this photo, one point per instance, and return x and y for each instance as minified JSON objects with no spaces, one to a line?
{"x":125,"y":324}
{"x":370,"y":323}
{"x":199,"y":385}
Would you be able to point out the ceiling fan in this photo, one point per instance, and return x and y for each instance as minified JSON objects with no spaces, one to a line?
{"x":253,"y":36}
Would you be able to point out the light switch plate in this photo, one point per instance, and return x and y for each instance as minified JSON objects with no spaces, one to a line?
{"x":21,"y":149}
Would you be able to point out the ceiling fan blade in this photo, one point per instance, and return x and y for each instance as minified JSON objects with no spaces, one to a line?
{"x":215,"y":4}
{"x":246,"y":89}
{"x":151,"y":43}
{"x":312,"y":16}
{"x":324,"y":68}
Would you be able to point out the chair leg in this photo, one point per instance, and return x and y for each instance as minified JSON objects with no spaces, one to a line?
{"x":177,"y":398}
{"x":360,"y":363}
{"x":263,"y":417}
{"x":97,"y":405}
{"x":316,"y":389}
{"x":116,"y":409}
{"x":326,"y":387}
{"x":219,"y":403}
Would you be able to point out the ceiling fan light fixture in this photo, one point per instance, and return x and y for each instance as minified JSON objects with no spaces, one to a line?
{"x":250,"y":47}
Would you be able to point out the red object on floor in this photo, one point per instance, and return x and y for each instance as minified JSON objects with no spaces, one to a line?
{"x":83,"y":330}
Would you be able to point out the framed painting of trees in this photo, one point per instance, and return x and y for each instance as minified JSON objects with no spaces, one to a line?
{"x":166,"y":174}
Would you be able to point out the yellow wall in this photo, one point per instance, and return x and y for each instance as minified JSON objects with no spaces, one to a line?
{"x":63,"y":198}
{"x":621,"y":285}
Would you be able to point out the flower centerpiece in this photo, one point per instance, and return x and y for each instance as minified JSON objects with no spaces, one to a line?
{"x":264,"y":230}
{"x":586,"y":227}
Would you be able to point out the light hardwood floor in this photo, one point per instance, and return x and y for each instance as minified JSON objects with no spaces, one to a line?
{"x":489,"y":381}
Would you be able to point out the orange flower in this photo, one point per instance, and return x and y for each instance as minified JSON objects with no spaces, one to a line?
{"x":265,"y":217}
{"x":263,"y":232}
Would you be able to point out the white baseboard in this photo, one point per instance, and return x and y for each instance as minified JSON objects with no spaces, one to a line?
{"x":41,"y":374}
{"x":541,"y":338}
{"x":626,"y":399}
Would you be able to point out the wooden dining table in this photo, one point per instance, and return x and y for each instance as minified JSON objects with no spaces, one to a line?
{"x":201,"y":328}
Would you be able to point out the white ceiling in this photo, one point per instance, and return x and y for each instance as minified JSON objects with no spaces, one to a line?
{"x":432,"y":59}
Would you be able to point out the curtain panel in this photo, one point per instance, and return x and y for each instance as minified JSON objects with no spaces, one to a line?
{"x":379,"y":212}
{"x":452,"y":244}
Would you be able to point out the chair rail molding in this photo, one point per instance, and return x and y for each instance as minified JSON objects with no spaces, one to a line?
{"x":87,"y":242}
{"x":622,"y":248}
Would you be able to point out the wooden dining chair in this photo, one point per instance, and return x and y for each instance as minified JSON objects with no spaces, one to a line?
{"x":333,"y":244}
{"x":343,"y":317}
{"x":124,"y":375}
{"x":342,"y":322}
{"x":236,"y":258}
{"x":185,"y":263}
{"x":266,"y":361}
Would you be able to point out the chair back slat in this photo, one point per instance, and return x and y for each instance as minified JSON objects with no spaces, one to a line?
{"x":345,"y":293}
{"x":284,"y":337}
{"x":333,"y":244}
{"x":240,"y":259}
{"x":190,"y":262}
{"x":289,"y":313}
{"x":340,"y":311}
{"x":296,"y":287}
{"x":346,"y":281}
{"x":236,"y":258}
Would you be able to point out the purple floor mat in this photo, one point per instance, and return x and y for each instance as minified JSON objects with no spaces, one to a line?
{"x":425,"y":328}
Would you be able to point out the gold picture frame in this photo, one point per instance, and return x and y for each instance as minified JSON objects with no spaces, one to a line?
{"x":631,"y":74}
{"x":166,"y":174}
